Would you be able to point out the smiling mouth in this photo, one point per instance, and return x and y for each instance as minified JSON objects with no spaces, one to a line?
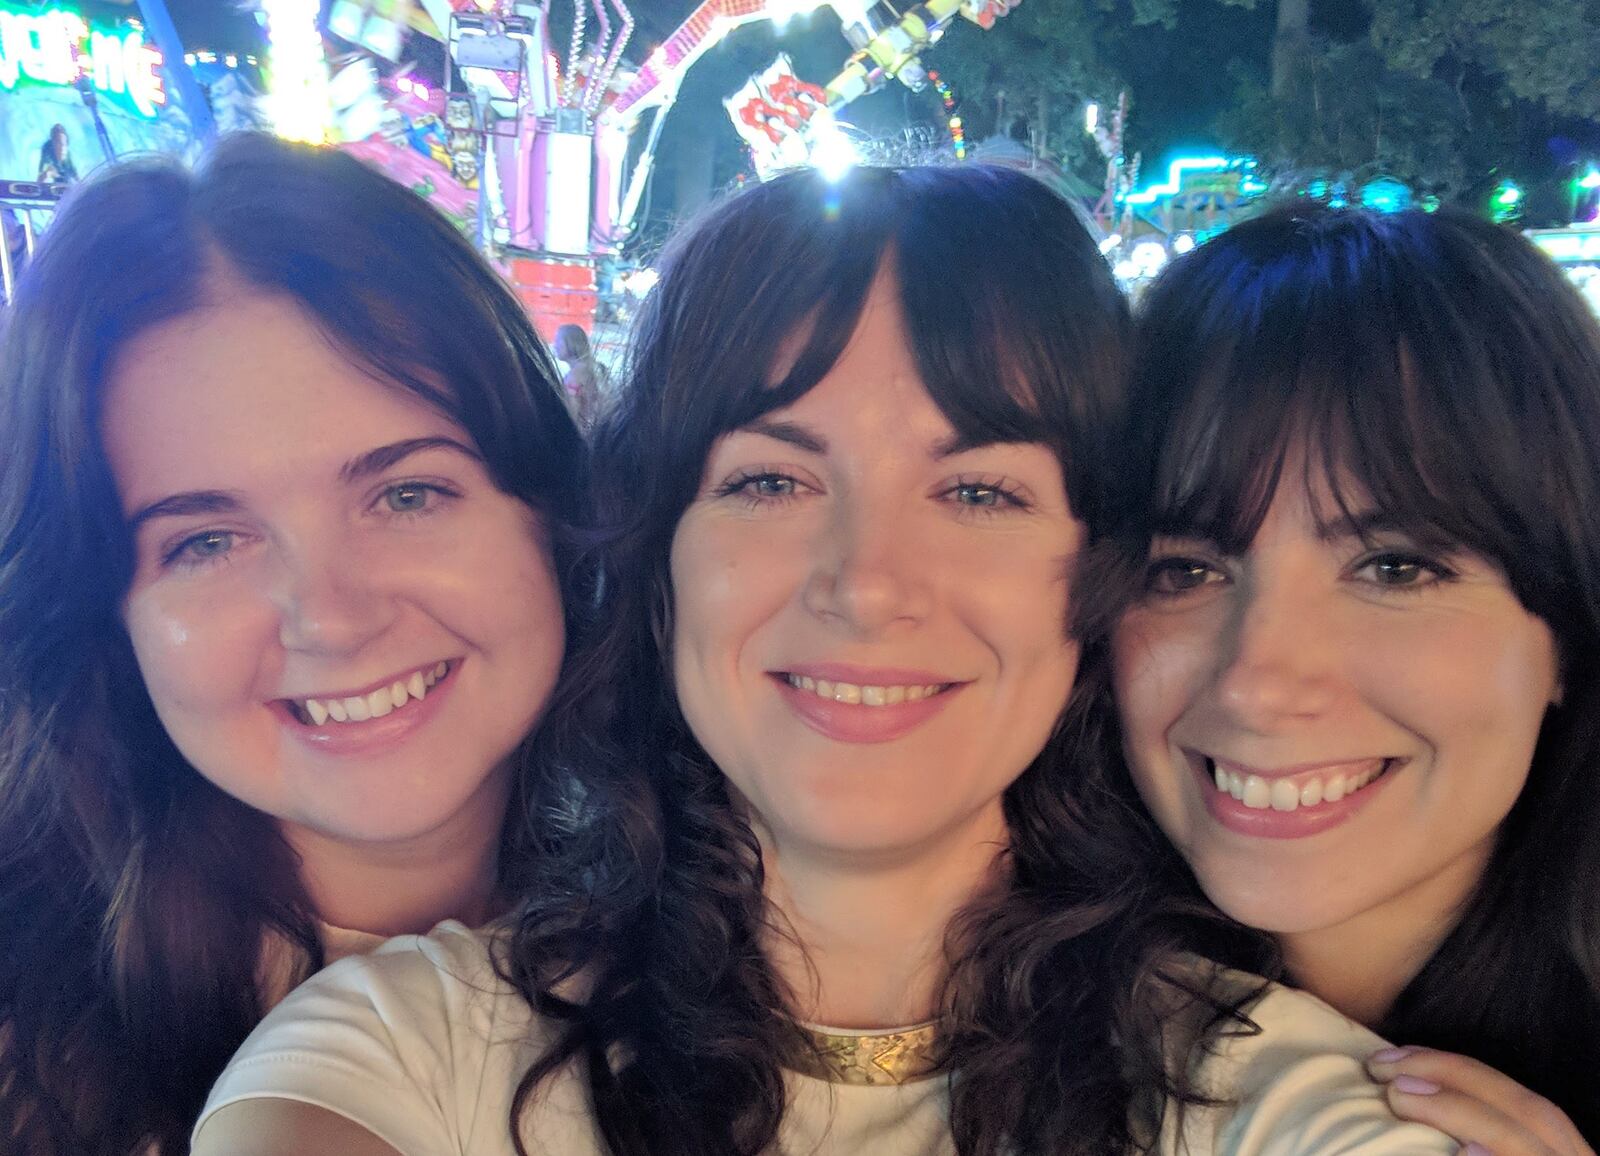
{"x":385,"y":700}
{"x":1299,"y":792}
{"x":857,"y":695}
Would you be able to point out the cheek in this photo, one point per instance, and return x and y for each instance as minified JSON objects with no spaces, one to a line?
{"x":1483,"y":701}
{"x":192,"y":654}
{"x":725,"y":586}
{"x":1156,"y":670}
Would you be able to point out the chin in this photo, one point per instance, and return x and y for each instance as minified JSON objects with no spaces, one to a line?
{"x":1272,"y":905}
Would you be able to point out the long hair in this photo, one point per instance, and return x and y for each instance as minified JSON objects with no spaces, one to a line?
{"x":1446,"y":368}
{"x":134,"y":895}
{"x":649,"y":899}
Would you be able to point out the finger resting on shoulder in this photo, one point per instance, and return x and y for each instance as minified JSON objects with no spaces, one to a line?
{"x":1482,"y":1128}
{"x":1409,"y":1072}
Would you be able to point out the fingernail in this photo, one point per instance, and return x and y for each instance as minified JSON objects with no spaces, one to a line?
{"x":1475,"y":1149}
{"x":1391,"y":1055}
{"x":1416,"y":1086}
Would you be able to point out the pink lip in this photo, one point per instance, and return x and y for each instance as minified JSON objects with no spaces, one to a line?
{"x":1270,"y":824}
{"x":853,"y":723}
{"x":375,"y":736}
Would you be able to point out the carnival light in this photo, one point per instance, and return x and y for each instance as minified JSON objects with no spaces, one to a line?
{"x":832,"y":153}
{"x":958,"y":134}
{"x":297,"y":100}
{"x":1175,"y":177}
{"x":783,"y":11}
{"x":55,"y":47}
{"x":1147,"y":257}
{"x":1183,"y":243}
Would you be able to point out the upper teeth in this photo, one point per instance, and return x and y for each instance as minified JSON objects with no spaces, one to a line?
{"x":1282,"y":795}
{"x":361,"y":707}
{"x":863,"y":695}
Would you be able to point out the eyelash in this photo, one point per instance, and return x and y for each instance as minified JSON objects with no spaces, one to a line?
{"x":427,"y":511}
{"x":1008,"y":497}
{"x":742,"y":487}
{"x":178,"y":558}
{"x":1175,"y":563}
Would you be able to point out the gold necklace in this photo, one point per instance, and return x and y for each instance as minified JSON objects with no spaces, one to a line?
{"x":872,"y":1058}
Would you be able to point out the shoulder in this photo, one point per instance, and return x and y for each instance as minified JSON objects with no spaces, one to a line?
{"x":406,"y":1041}
{"x":1292,"y":1082}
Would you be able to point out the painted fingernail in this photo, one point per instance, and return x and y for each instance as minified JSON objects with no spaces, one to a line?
{"x":1391,"y":1055}
{"x":1416,"y":1086}
{"x":1475,"y":1149}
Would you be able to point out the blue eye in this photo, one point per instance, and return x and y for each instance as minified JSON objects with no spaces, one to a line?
{"x":410,"y":498}
{"x":969,"y":495}
{"x":771,"y":486}
{"x":759,"y":488}
{"x":198,"y":549}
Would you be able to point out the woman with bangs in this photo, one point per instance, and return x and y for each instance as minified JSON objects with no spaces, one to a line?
{"x":820,"y":879}
{"x":1360,"y":691}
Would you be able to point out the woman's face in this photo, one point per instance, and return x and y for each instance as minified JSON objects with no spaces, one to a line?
{"x":1332,"y":725}
{"x":340,"y":620}
{"x":869,"y":615}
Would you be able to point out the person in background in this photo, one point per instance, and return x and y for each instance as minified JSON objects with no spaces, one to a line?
{"x":56,"y":166}
{"x":584,"y":382}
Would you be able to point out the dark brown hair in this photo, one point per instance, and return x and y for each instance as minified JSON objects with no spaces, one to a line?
{"x":134,"y":895}
{"x":1443,"y":365}
{"x":651,"y":889}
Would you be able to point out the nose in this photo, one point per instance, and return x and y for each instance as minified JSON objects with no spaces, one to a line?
{"x":866,"y":576}
{"x":330,"y":600}
{"x":1278,"y":660}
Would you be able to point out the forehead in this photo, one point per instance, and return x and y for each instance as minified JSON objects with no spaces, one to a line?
{"x":876,"y":380}
{"x":244,"y":389}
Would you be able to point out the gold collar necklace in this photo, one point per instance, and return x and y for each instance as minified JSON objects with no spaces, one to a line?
{"x":872,"y":1059}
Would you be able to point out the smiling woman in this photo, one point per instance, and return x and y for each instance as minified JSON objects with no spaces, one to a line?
{"x":1359,"y":692}
{"x":832,"y":887}
{"x":284,"y":529}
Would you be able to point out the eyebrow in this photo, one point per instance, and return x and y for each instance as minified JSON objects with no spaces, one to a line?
{"x":374,"y":461}
{"x":1361,"y":524}
{"x":183,"y":505}
{"x":795,"y":434}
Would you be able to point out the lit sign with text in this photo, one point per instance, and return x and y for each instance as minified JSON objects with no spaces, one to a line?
{"x":56,"y":46}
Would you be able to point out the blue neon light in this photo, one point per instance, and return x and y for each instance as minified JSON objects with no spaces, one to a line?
{"x":1175,"y":176}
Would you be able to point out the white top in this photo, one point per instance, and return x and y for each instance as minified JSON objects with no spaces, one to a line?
{"x":422,"y":1044}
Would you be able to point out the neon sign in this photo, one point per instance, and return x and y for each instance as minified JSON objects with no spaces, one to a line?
{"x":56,"y":46}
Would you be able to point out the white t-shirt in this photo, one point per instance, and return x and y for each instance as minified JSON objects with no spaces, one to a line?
{"x":422,"y":1044}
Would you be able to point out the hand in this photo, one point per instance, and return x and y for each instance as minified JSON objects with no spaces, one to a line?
{"x":1490,"y":1114}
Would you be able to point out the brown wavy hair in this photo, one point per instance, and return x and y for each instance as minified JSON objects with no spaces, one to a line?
{"x":134,"y":895}
{"x":651,"y":889}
